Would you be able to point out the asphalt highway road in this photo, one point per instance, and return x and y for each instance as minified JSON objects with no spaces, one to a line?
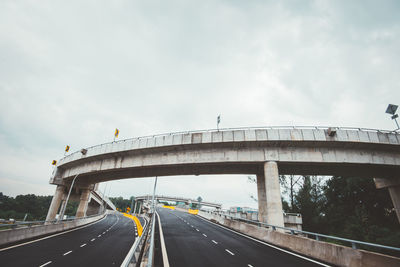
{"x":104,"y":243}
{"x":192,"y":241}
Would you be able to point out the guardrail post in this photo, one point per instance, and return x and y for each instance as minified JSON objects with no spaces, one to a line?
{"x":353,"y":245}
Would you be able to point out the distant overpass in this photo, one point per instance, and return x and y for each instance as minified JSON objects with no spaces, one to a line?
{"x":179,"y":199}
{"x":264,"y":151}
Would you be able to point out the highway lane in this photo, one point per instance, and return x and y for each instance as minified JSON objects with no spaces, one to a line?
{"x":192,"y":241}
{"x":104,"y":243}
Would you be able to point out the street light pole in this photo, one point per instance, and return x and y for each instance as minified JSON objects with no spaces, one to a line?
{"x":66,"y":201}
{"x":154,"y":192}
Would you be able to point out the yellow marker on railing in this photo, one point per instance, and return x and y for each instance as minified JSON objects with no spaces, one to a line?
{"x":194,"y":212}
{"x":137,"y":222}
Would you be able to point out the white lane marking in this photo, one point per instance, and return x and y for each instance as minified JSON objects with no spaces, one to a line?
{"x":163,"y":248}
{"x":205,"y":235}
{"x":33,"y":241}
{"x":66,"y":253}
{"x":104,"y":233}
{"x":197,"y":229}
{"x":93,"y":239}
{"x":249,"y":265}
{"x":191,"y":226}
{"x":99,"y":236}
{"x":47,"y":263}
{"x":261,"y":242}
{"x":215,"y":242}
{"x":230,"y":252}
{"x":83,"y":245}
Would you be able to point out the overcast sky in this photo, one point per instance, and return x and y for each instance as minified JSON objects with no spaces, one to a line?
{"x":73,"y":71}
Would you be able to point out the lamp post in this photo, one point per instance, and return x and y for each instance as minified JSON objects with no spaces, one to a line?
{"x":391,"y":109}
{"x":218,"y":121}
{"x":66,"y":201}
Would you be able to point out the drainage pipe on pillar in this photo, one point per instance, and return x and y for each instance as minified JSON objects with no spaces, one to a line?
{"x":66,"y":201}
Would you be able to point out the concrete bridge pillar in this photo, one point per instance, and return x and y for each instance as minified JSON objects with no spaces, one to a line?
{"x":83,"y":203}
{"x":269,"y":195}
{"x":59,"y":195}
{"x":393,"y":185}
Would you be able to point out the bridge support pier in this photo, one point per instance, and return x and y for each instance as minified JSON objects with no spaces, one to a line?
{"x":393,"y":185}
{"x":59,"y":195}
{"x":269,"y":195}
{"x":83,"y":203}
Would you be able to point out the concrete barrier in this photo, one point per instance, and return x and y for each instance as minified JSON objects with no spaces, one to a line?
{"x":20,"y":234}
{"x":327,"y":252}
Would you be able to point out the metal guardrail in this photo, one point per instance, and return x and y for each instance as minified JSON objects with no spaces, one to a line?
{"x":247,"y":128}
{"x":134,"y":254}
{"x":35,"y":223}
{"x":354,"y":243}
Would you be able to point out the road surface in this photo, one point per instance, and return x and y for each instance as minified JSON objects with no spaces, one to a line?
{"x":104,"y":243}
{"x":192,"y":241}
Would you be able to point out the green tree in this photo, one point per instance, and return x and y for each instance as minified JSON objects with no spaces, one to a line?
{"x":309,"y":202}
{"x":357,"y":210}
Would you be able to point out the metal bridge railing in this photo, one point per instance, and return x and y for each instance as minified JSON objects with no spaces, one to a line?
{"x":355,"y":244}
{"x":245,"y":128}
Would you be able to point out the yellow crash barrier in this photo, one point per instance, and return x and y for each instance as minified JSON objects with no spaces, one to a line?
{"x":169,"y":207}
{"x":137,"y":222}
{"x":193,"y":211}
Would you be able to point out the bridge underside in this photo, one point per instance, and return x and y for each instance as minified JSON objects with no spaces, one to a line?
{"x":298,"y":168}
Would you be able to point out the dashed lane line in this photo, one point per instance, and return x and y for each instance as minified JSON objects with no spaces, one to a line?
{"x":99,"y":236}
{"x":215,"y":242}
{"x":230,"y":252}
{"x":83,"y":245}
{"x":205,"y":235}
{"x":197,"y":230}
{"x":47,"y":263}
{"x":93,"y":239}
{"x":50,"y":236}
{"x":66,"y":253}
{"x":261,"y":242}
{"x":249,"y":265}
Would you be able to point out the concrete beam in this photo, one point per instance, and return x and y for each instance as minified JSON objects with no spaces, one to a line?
{"x":273,"y":193}
{"x":83,"y":204}
{"x":59,"y":195}
{"x":393,"y":185}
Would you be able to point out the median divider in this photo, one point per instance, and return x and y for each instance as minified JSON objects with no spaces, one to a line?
{"x":169,"y":207}
{"x":137,"y":222}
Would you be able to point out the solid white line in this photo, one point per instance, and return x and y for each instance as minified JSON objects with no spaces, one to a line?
{"x":66,"y":253}
{"x":50,"y":236}
{"x":47,"y":263}
{"x":93,"y":239}
{"x":83,"y":245}
{"x":215,"y":242}
{"x":264,"y":243}
{"x":229,"y":252}
{"x":163,"y":248}
{"x":205,"y":235}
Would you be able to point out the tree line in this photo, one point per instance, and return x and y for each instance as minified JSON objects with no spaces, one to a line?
{"x":348,"y":207}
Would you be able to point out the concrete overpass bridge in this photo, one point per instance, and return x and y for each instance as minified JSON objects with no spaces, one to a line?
{"x":179,"y":199}
{"x":265,"y":152}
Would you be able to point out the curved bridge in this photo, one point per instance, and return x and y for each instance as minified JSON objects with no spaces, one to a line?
{"x":179,"y":199}
{"x":260,"y":151}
